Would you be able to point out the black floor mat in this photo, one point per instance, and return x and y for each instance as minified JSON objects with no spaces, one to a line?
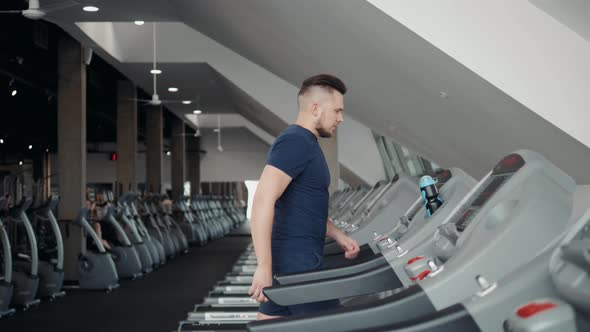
{"x":155,"y":303}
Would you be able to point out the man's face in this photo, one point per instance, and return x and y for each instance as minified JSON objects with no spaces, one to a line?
{"x":330,"y":115}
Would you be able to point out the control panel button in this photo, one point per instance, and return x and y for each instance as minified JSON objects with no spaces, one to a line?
{"x":534,"y":308}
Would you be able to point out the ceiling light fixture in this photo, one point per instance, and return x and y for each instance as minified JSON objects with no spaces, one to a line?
{"x":139,"y":23}
{"x":197,"y":112}
{"x":90,"y":9}
{"x":1,"y":141}
{"x":156,"y":71}
{"x":173,"y":89}
{"x":14,"y":92}
{"x":186,"y":102}
{"x":168,"y":153}
{"x":20,"y":162}
{"x":30,"y":147}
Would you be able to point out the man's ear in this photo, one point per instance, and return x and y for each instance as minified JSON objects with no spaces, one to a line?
{"x":314,"y":109}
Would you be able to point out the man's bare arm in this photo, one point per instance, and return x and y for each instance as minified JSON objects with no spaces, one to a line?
{"x":350,"y":246}
{"x":271,"y":186}
{"x":332,"y":231}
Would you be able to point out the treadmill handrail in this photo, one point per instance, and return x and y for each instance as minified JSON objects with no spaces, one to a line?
{"x":378,"y":197}
{"x":347,"y":199}
{"x":7,"y":253}
{"x":375,"y":280}
{"x":410,"y":303}
{"x":362,"y":200}
{"x":453,"y":318}
{"x":337,"y":272}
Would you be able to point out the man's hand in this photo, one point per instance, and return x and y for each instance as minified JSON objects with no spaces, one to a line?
{"x":350,"y":247}
{"x":262,"y":279}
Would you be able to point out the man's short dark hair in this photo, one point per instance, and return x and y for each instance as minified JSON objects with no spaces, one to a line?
{"x":324,"y":80}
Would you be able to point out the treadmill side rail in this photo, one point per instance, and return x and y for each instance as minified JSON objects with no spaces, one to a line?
{"x":454,"y":318}
{"x":373,"y":281}
{"x":408,"y":304}
{"x":292,"y":278}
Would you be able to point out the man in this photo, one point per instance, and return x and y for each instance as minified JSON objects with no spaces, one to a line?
{"x":290,"y":209}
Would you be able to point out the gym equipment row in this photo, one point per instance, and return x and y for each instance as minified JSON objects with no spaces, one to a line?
{"x":501,"y":254}
{"x":227,"y":306}
{"x":142,"y":235}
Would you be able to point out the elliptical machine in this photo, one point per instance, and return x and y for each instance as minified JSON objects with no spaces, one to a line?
{"x":141,"y":245}
{"x":51,"y":269}
{"x":25,"y":267}
{"x":97,"y":269}
{"x":124,"y":254}
{"x":6,"y":288}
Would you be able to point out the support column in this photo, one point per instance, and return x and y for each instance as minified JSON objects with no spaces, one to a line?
{"x":154,"y":148}
{"x":126,"y":137}
{"x":178,"y":158}
{"x":193,"y":163}
{"x":47,"y":172}
{"x":71,"y":129}
{"x":330,"y":148}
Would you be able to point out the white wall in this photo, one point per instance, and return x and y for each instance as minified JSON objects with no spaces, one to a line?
{"x":514,"y":45}
{"x":243,"y":156}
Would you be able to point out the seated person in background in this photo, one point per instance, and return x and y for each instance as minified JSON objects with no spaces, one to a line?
{"x":167,"y":203}
{"x":98,"y":212}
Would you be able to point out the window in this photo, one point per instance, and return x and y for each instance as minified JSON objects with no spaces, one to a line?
{"x":399,"y":159}
{"x":251,"y":185}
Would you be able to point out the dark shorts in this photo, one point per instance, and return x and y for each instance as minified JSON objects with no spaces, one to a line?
{"x":291,"y":263}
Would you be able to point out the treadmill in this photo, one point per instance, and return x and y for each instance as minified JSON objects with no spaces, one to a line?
{"x":223,"y":315}
{"x":456,"y":183}
{"x":390,"y":199}
{"x":551,"y":293}
{"x":523,"y":193}
{"x":374,"y":216}
{"x":413,"y":228}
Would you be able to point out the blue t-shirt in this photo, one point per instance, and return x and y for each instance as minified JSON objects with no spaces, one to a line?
{"x":299,"y":225}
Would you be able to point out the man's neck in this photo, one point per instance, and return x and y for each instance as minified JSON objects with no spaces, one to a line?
{"x":308,"y":126}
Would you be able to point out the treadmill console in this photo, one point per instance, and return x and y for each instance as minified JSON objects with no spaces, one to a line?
{"x":448,"y":233}
{"x":501,"y":173}
{"x":442,"y":176}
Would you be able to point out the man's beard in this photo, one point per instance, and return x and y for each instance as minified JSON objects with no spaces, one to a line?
{"x":324,"y":133}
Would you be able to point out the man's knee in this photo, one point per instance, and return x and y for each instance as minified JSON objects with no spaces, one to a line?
{"x":261,"y":316}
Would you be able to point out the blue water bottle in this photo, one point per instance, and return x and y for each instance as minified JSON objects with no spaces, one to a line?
{"x":429,"y":193}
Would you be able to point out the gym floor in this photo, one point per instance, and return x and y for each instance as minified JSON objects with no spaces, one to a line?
{"x":154,"y":303}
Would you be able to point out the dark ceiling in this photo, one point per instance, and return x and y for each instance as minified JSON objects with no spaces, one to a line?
{"x":28,"y":64}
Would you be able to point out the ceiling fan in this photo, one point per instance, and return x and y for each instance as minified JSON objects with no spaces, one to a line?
{"x":218,"y":131}
{"x":36,"y":12}
{"x":194,"y":119}
{"x":155,"y":100}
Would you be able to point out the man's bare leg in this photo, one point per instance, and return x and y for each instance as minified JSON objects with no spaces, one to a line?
{"x":261,"y":316}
